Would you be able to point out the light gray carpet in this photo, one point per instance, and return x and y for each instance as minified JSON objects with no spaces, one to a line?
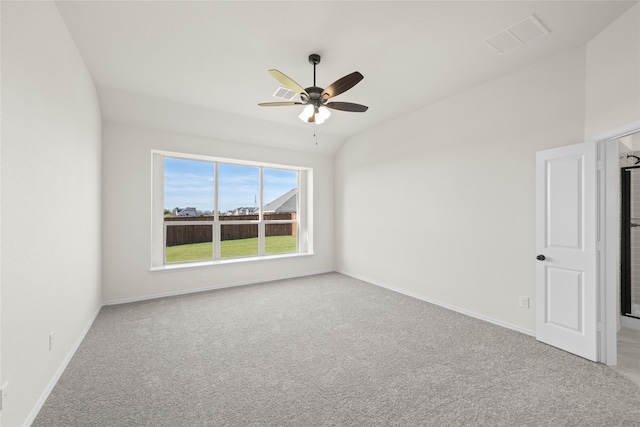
{"x":324,"y":350}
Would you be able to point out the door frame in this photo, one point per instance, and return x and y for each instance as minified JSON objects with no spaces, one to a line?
{"x":609,"y":224}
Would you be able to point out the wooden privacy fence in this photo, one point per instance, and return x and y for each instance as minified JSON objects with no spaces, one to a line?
{"x":188,"y":234}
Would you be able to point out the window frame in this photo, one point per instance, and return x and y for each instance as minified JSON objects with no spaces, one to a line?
{"x":159,"y":225}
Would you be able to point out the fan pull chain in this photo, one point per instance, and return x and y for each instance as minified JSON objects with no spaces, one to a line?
{"x":315,"y":133}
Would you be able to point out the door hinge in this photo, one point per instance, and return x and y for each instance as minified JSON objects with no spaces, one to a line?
{"x":3,"y":394}
{"x":600,"y":326}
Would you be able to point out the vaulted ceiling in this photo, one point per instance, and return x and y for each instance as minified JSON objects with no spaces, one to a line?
{"x":214,"y":55}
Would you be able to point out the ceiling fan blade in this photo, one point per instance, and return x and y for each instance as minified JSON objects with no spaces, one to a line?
{"x":278,"y":104}
{"x":287,"y":81}
{"x":342,"y":85}
{"x":347,"y":106}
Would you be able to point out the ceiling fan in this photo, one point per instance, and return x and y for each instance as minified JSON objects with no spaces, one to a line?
{"x":316,"y":98}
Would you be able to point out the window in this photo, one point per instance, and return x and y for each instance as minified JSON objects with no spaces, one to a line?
{"x":213,"y":210}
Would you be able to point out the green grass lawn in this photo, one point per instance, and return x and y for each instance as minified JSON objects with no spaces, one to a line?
{"x":231,"y":248}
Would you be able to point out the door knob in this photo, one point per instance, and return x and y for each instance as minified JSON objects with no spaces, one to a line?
{"x":540,"y":258}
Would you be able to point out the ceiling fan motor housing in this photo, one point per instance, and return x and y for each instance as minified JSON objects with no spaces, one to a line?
{"x":314,"y":96}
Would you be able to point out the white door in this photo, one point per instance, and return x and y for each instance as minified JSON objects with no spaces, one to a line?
{"x":566,"y":245}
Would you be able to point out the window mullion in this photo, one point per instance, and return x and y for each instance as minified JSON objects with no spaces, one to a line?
{"x":216,"y":234}
{"x":164,"y":244}
{"x":300,"y":211}
{"x":261,"y":231}
{"x":216,"y":240}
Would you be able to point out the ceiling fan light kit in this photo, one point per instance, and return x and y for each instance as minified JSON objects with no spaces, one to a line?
{"x":316,"y":98}
{"x":313,"y":114}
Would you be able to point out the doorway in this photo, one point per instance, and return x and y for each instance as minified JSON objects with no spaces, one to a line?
{"x":628,"y":336}
{"x":604,"y":168}
{"x":613,"y":147}
{"x":629,"y":149}
{"x":619,"y":341}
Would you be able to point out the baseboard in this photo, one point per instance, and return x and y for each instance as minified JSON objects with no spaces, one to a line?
{"x":45,"y":394}
{"x":212,"y":288}
{"x":630,"y":322}
{"x":441,"y":304}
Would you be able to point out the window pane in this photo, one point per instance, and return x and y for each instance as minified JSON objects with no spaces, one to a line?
{"x":188,"y":187}
{"x":280,"y":193}
{"x":280,"y":238}
{"x":238,"y":240}
{"x":186,"y":242}
{"x":238,"y":189}
{"x":193,"y":189}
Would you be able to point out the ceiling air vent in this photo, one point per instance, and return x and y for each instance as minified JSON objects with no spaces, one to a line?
{"x":517,"y":35}
{"x":284,"y":93}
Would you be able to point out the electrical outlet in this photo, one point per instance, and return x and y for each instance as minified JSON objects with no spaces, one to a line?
{"x":203,"y":277}
{"x":51,"y":340}
{"x":524,"y":302}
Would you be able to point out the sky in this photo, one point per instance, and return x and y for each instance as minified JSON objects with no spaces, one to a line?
{"x":190,"y":183}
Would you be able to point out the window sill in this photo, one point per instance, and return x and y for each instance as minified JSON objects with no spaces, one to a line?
{"x":201,"y":264}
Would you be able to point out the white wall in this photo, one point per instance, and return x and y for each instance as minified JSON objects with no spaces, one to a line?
{"x":127,"y":214}
{"x":613,"y":75}
{"x":440,"y":204}
{"x":50,"y":202}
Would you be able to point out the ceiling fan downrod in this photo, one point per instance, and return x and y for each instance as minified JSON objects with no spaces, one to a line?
{"x":313,"y":94}
{"x":314,"y":59}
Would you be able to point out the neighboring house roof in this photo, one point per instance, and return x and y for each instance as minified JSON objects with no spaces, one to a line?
{"x":243,"y":211}
{"x":288,"y":202}
{"x":187,"y":212}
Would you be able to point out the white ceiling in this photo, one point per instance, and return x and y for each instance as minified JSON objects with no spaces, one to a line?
{"x":215,"y":54}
